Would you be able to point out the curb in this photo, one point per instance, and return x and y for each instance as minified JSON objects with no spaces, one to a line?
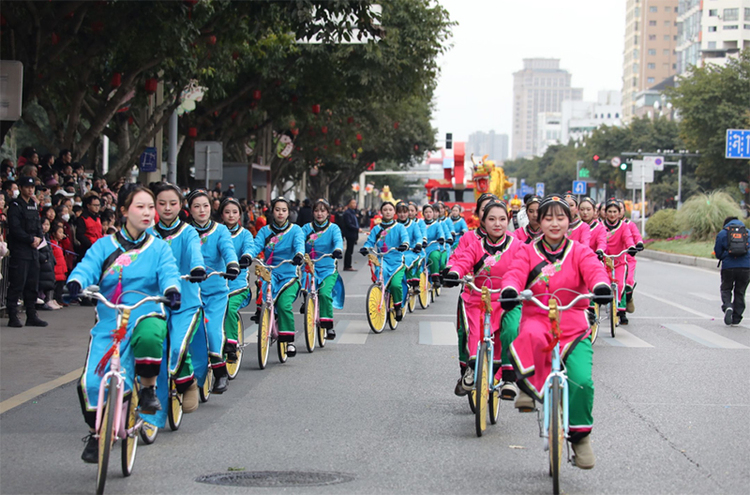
{"x":680,"y":259}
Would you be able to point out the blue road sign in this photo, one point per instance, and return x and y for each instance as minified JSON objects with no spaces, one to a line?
{"x":738,"y":143}
{"x":148,"y":160}
{"x":579,"y":187}
{"x":540,"y":189}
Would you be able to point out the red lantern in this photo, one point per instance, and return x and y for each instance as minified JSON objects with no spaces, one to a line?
{"x":292,"y":124}
{"x":416,"y":147}
{"x":193,"y":132}
{"x":97,"y":26}
{"x":316,"y":109}
{"x":324,"y":129}
{"x":116,"y":80}
{"x":151,"y":84}
{"x":354,"y":155}
{"x":337,"y":142}
{"x":212,"y":40}
{"x":234,"y":115}
{"x":371,"y":167}
{"x":95,"y":88}
{"x":325,"y":147}
{"x":256,"y":94}
{"x":350,"y":120}
{"x":294,"y":98}
{"x":295,"y":132}
{"x":359,"y":137}
{"x":395,"y":125}
{"x":55,"y":38}
{"x":235,"y":55}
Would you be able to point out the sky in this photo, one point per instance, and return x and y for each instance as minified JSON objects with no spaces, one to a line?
{"x":475,"y":89}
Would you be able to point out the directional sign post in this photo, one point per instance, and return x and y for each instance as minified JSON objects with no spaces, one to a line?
{"x":738,"y":144}
{"x":540,"y":189}
{"x":579,"y":187}
{"x":656,"y":162}
{"x":148,"y":160}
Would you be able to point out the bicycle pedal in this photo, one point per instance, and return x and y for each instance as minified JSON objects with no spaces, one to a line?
{"x":526,"y":409}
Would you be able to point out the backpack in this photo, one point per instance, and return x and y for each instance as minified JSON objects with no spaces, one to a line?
{"x":736,"y":240}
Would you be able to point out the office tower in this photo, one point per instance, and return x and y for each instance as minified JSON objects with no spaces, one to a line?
{"x":488,"y":143}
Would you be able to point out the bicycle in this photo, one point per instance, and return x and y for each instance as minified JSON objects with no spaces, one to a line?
{"x":116,"y":419}
{"x":485,"y":387}
{"x":427,"y":292}
{"x":312,"y":308}
{"x":614,"y":320}
{"x":267,"y":325}
{"x":380,"y":305}
{"x":555,"y":425}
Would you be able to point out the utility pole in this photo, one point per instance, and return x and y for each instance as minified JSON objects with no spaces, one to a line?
{"x":680,"y":154}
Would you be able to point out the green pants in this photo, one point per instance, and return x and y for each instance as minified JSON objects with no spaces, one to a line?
{"x":233,"y":309}
{"x":443,"y":259}
{"x":412,"y":271}
{"x":578,"y":364}
{"x":463,"y":337}
{"x":325,"y":299}
{"x":147,"y":342}
{"x":433,"y":262}
{"x":284,"y":312}
{"x":508,"y":333}
{"x":395,"y":287}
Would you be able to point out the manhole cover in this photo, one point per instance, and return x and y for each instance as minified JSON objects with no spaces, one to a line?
{"x":274,"y":479}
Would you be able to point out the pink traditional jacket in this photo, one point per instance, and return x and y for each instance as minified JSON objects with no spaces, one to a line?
{"x":580,"y":232}
{"x":575,"y":269}
{"x":526,"y":235}
{"x":598,"y":241}
{"x":619,"y":239}
{"x":636,"y":233}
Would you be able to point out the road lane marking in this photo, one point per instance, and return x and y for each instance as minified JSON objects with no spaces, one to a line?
{"x":31,"y":393}
{"x":437,"y":333}
{"x":624,"y":339}
{"x":707,"y":297}
{"x":352,"y":332}
{"x":704,"y":337}
{"x":678,"y":306}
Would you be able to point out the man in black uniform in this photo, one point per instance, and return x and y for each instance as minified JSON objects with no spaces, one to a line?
{"x":24,"y":236}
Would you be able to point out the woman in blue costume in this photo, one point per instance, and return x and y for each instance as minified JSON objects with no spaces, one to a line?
{"x":182,"y":323}
{"x":433,"y":232}
{"x":239,"y":288}
{"x":282,"y":240}
{"x":218,"y":253}
{"x":414,"y":216}
{"x":413,"y":256}
{"x":459,"y":224}
{"x":323,"y":237}
{"x":116,"y":264}
{"x":386,"y":235}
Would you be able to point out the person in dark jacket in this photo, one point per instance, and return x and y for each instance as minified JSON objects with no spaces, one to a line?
{"x":305,"y":214}
{"x":350,"y":231}
{"x":735,"y":274}
{"x":46,"y":270}
{"x":24,"y":236}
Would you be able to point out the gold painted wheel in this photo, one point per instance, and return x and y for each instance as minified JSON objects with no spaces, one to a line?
{"x":376,"y":309}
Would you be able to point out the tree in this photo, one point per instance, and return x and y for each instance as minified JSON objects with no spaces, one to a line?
{"x":710,"y":100}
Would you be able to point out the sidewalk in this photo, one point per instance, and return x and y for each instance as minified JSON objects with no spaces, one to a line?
{"x":680,"y":259}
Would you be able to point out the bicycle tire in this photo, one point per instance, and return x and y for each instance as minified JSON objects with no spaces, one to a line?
{"x":321,"y":331}
{"x":148,"y":433}
{"x":375,"y":317}
{"x":482,"y":391}
{"x":105,"y":437}
{"x":234,"y":368}
{"x":205,"y":391}
{"x":613,"y":312}
{"x":595,"y":325}
{"x":424,"y":295}
{"x":556,"y":435}
{"x":174,"y":407}
{"x":437,"y":291}
{"x":310,"y":325}
{"x":392,"y":321}
{"x":494,"y":405}
{"x":411,"y":300}
{"x":264,"y":336}
{"x":281,"y":348}
{"x":130,"y":442}
{"x":472,"y":401}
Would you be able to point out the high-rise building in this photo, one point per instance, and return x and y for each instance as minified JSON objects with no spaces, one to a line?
{"x":540,"y":87}
{"x":711,"y":31}
{"x":650,"y":48}
{"x":488,"y":143}
{"x":580,"y":118}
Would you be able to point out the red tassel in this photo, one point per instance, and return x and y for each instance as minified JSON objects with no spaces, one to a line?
{"x":117,"y":337}
{"x":117,"y":293}
{"x":555,"y":331}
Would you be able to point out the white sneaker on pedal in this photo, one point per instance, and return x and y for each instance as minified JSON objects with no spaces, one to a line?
{"x":524,"y":402}
{"x":467,"y":382}
{"x":508,"y":391}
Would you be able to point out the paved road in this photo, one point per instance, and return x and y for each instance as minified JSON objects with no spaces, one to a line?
{"x":671,"y":412}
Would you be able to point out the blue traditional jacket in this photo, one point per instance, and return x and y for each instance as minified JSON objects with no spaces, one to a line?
{"x":186,"y":249}
{"x":320,"y":240}
{"x":278,"y":244}
{"x":218,"y":252}
{"x":384,"y":237}
{"x":434,"y":231}
{"x":242,"y":240}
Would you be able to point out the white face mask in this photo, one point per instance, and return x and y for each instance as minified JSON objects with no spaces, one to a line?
{"x":46,"y":205}
{"x":78,"y":203}
{"x":65,"y":216}
{"x":16,"y":193}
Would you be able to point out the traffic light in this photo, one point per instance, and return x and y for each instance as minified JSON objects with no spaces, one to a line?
{"x":448,"y":140}
{"x":623,"y":166}
{"x":595,"y":158}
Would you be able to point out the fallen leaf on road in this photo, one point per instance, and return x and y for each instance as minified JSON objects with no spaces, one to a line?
{"x":516,"y":446}
{"x":236,"y":469}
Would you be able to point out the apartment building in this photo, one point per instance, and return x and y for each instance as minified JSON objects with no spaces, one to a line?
{"x":650,"y":54}
{"x":540,"y":87}
{"x":488,"y":143}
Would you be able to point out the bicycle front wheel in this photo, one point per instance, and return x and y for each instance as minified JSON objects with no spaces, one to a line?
{"x":205,"y":391}
{"x":264,"y":336}
{"x":174,"y":412}
{"x":595,"y":325}
{"x":556,"y":435}
{"x":234,"y":367}
{"x":282,"y":352}
{"x":130,"y":442}
{"x":148,"y":433}
{"x":392,"y":321}
{"x":321,"y":333}
{"x":481,"y":385}
{"x":310,"y":306}
{"x":494,"y":405}
{"x":613,"y":311}
{"x":411,"y":300}
{"x":376,"y":308}
{"x":424,"y":291}
{"x":106,"y":437}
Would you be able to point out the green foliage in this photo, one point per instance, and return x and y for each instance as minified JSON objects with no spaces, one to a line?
{"x":710,"y":100}
{"x":663,"y":224}
{"x":702,"y":249}
{"x":703,"y":214}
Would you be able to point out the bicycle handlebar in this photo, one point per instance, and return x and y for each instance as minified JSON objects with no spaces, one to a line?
{"x":329,"y":255}
{"x":93,"y":291}
{"x":616,"y":255}
{"x":527,"y":295}
{"x":469,"y":281}
{"x":271,"y":267}
{"x":376,"y":253}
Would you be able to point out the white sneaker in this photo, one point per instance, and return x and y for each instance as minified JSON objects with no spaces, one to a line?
{"x":468,"y":380}
{"x":508,"y":391}
{"x":53,"y":304}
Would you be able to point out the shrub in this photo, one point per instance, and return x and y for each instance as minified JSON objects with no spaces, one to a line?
{"x":663,"y":224}
{"x":704,"y":214}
